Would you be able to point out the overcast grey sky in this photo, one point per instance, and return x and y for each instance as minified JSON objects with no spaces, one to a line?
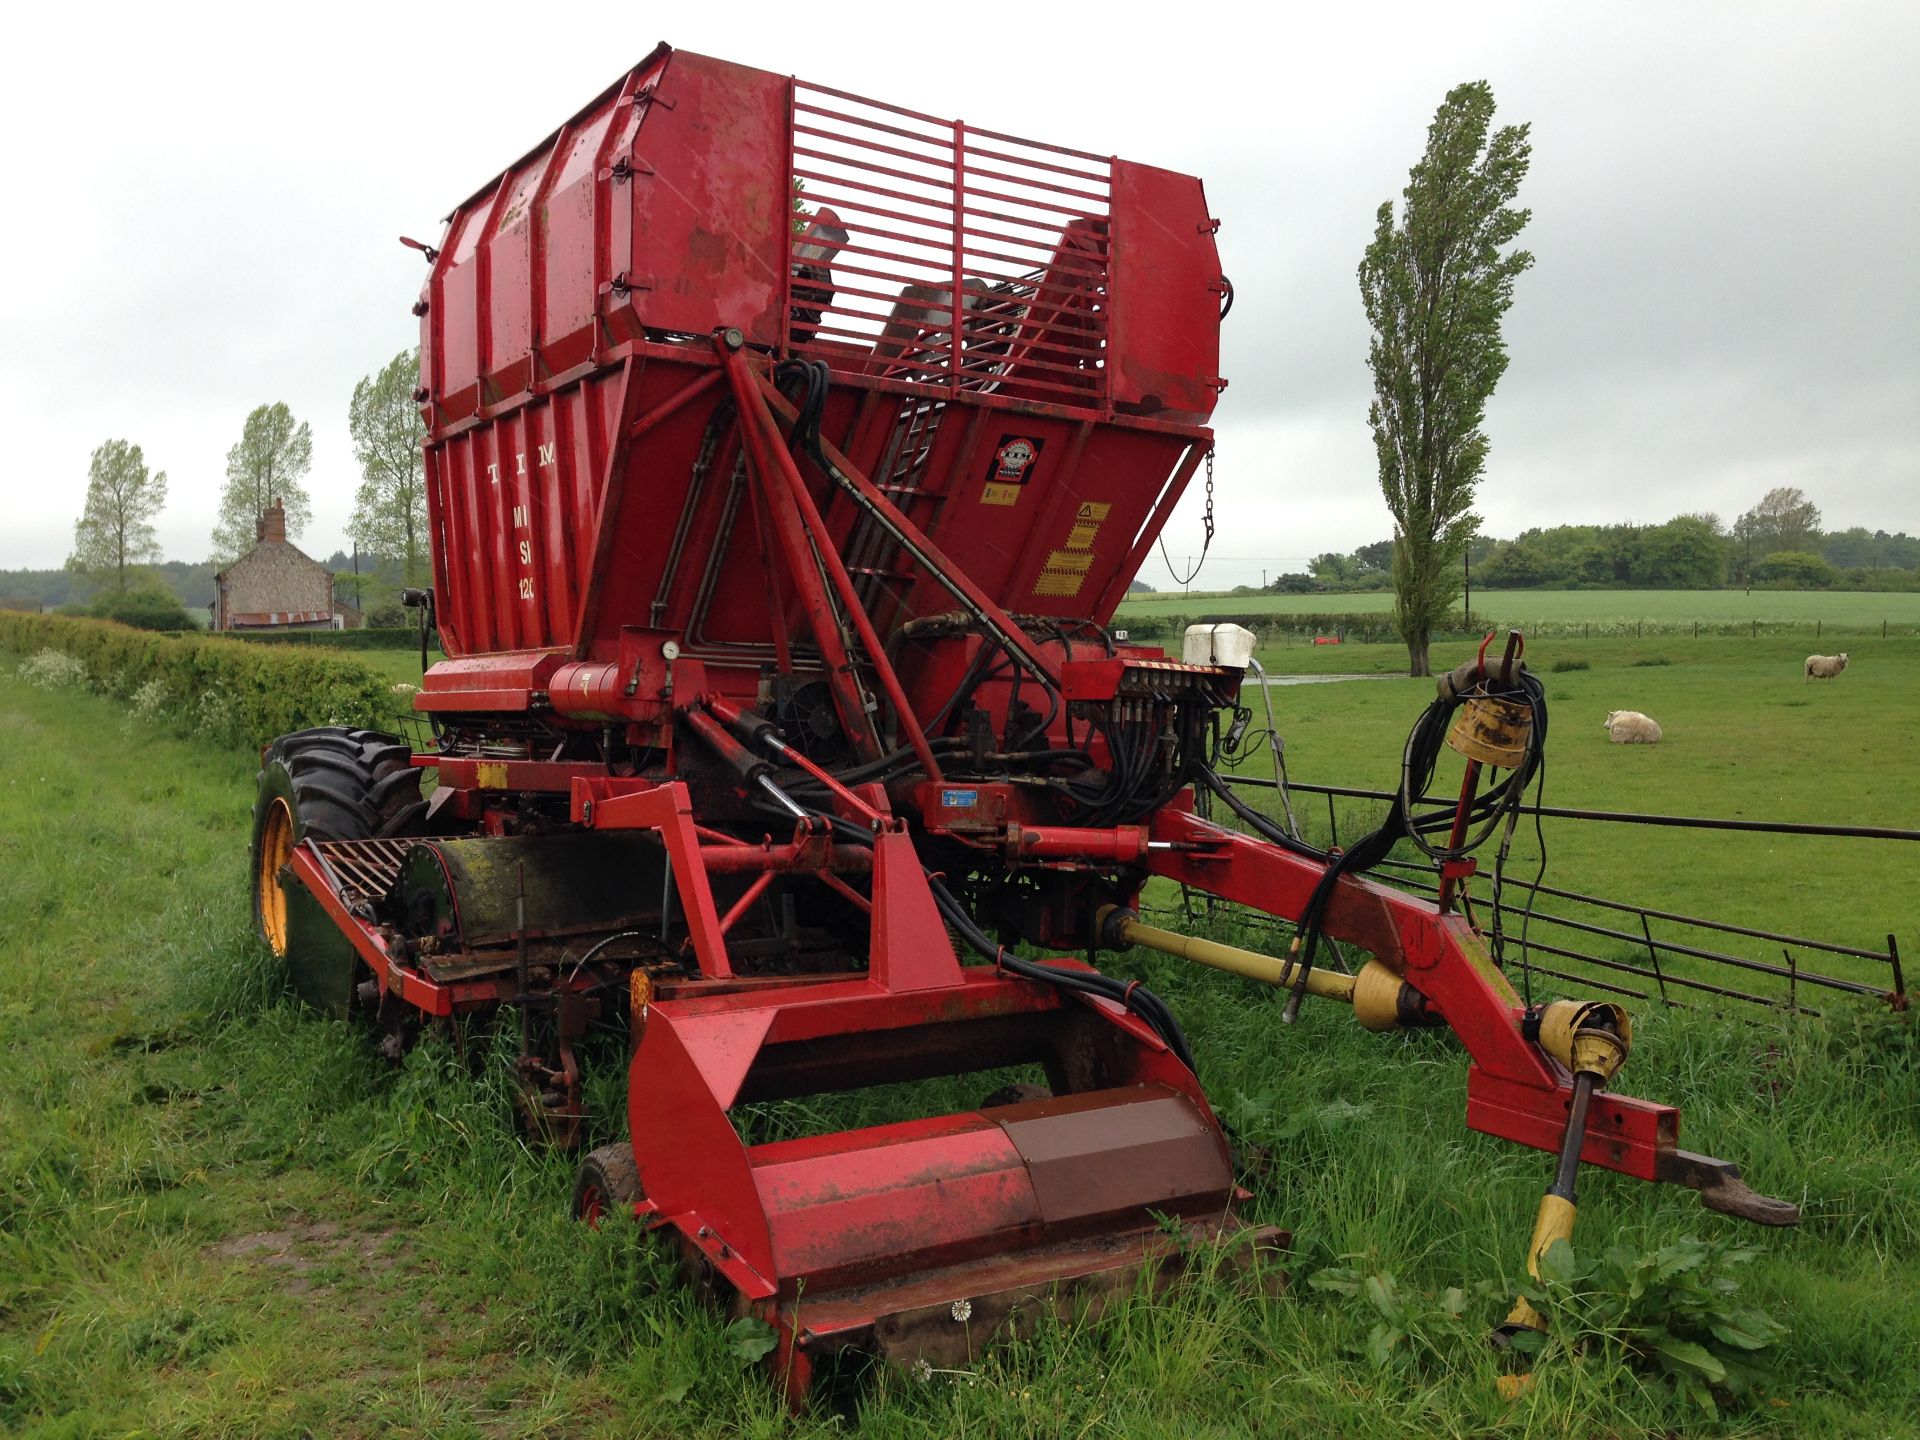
{"x":203,"y":205}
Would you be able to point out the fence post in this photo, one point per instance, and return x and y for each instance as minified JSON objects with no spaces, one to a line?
{"x":1696,"y":629}
{"x":1756,"y":629}
{"x":1816,"y":629}
{"x":1899,"y":997}
{"x":1793,"y":980}
{"x":1653,"y":954}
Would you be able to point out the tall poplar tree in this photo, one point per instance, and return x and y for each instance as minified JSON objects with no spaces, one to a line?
{"x":1436,"y":282}
{"x":115,"y":531}
{"x":273,"y":455}
{"x":390,"y":507}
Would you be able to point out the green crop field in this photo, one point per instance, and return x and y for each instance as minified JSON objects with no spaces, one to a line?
{"x":223,"y":1216}
{"x":1851,"y":610}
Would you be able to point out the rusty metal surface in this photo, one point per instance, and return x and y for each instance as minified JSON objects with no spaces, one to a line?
{"x":465,"y":889}
{"x":947,"y":1317}
{"x":365,"y":869}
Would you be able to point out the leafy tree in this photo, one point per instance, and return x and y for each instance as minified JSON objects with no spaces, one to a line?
{"x":1794,"y":567}
{"x":115,"y":530}
{"x":1513,"y":565}
{"x":1683,"y":554}
{"x":1783,"y":520}
{"x":273,"y":455}
{"x":1435,"y":285}
{"x":1370,"y":558}
{"x":1331,"y":568}
{"x":1901,"y":551}
{"x":1292,"y":582}
{"x":147,"y":606}
{"x":390,"y":507}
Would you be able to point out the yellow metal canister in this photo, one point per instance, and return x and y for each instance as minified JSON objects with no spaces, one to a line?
{"x":1493,"y":731}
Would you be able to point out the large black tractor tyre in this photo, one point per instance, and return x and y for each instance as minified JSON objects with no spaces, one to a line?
{"x":328,"y":783}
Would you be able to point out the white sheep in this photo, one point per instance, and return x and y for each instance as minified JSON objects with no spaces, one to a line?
{"x":1825,"y":667}
{"x":402,"y":688}
{"x":1630,"y":727}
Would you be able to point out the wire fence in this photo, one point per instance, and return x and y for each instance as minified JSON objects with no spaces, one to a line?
{"x":1369,"y":627}
{"x":1553,"y":937}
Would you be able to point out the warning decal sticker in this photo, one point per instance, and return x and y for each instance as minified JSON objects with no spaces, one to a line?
{"x":1065,"y":571}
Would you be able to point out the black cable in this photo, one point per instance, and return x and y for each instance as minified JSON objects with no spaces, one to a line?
{"x":1526,"y":916}
{"x":1419,"y":759}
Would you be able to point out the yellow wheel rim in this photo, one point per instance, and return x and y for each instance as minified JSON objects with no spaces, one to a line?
{"x":276,"y":848}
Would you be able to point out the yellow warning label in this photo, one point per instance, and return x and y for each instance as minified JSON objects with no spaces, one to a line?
{"x":1000,"y":495}
{"x":490,"y":775}
{"x":1064,"y":573}
{"x":1066,"y":569}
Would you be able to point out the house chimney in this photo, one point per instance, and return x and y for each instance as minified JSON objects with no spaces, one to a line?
{"x":273,"y":524}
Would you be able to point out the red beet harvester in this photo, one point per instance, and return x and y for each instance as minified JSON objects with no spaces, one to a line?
{"x":787,"y":455}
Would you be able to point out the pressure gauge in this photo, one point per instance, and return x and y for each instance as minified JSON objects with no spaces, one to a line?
{"x":670,"y":650}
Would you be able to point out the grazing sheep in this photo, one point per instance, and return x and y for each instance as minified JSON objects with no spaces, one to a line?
{"x":1630,"y":727}
{"x":1825,"y":667}
{"x":405,"y":689}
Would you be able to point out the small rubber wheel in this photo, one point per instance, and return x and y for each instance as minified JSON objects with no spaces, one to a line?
{"x":608,"y":1183}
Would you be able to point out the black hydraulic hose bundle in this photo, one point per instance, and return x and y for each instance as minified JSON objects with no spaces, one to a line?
{"x":1485,"y":813}
{"x":1128,"y":994}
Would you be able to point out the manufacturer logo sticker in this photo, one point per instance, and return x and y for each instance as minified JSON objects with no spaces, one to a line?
{"x":1009,"y":467}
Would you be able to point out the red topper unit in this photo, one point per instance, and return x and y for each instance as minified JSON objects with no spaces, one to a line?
{"x":787,"y":454}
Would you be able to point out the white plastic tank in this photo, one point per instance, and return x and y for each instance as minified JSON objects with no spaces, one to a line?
{"x":1218,"y":645}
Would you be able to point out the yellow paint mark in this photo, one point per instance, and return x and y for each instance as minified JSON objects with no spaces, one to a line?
{"x":490,"y":775}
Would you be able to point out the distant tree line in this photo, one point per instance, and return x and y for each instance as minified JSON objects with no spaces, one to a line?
{"x":1776,"y":545}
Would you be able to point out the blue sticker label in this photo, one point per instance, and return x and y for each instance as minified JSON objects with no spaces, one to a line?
{"x":959,"y":799}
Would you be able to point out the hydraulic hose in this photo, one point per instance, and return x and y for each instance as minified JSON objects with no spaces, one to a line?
{"x":1130,"y":995}
{"x":1418,"y":760}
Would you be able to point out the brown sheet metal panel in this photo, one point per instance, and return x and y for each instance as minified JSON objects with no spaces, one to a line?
{"x":1110,"y":1152}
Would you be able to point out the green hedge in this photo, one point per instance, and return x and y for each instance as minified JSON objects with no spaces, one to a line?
{"x":226,"y":691}
{"x":405,"y":638}
{"x":1272,"y":625}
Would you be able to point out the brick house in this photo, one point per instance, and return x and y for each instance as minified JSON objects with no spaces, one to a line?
{"x":277,"y":586}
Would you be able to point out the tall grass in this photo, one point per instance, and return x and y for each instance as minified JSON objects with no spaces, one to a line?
{"x":222,"y":1216}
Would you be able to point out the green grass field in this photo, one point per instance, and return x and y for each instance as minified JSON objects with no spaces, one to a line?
{"x":1848,"y":610}
{"x":222,"y":1216}
{"x":1746,"y":736}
